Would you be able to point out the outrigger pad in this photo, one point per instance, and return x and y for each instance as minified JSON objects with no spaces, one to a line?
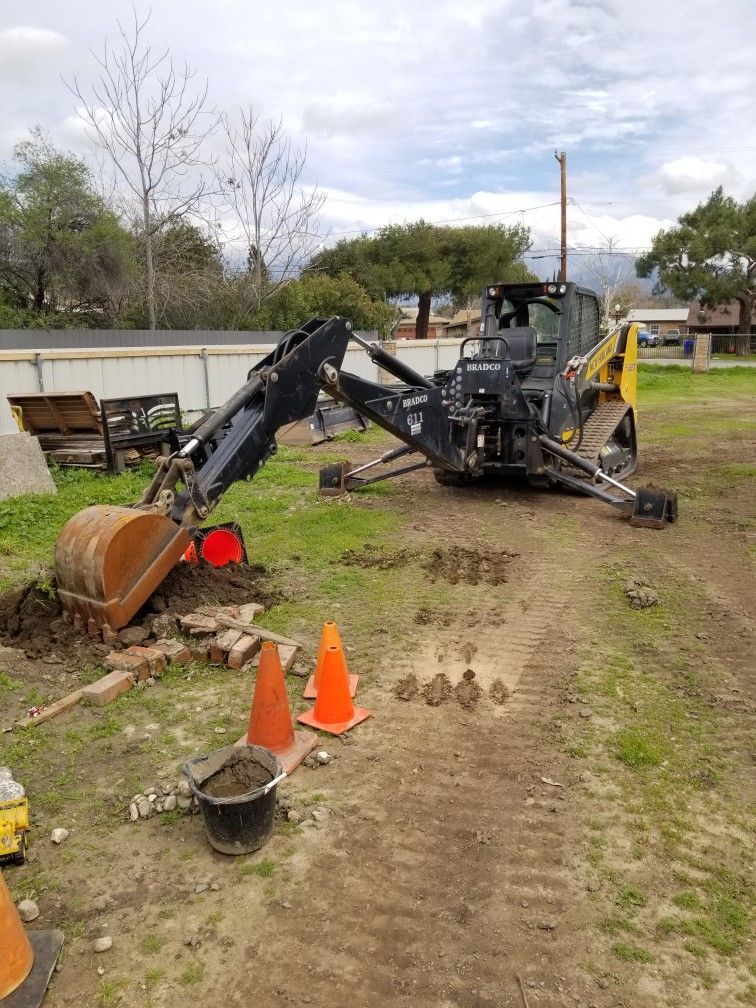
{"x":654,"y":508}
{"x":333,"y":479}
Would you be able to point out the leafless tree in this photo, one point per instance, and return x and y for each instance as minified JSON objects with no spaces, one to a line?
{"x":149,"y":119}
{"x":272,"y":214}
{"x":610,"y":270}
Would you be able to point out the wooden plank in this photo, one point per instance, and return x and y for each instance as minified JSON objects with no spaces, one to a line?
{"x":100,"y":353}
{"x":252,"y":628}
{"x":59,"y":418}
{"x":56,"y":411}
{"x":64,"y":704}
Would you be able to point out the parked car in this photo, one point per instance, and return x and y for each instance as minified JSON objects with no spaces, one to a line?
{"x":645,"y":338}
{"x":672,"y":337}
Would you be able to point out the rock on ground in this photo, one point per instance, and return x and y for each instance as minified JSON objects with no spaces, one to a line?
{"x":27,"y":910}
{"x":23,"y":468}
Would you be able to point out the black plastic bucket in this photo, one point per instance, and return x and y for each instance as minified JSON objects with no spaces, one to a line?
{"x":236,"y":790}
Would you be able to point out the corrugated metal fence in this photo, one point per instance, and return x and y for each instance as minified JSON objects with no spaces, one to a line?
{"x":204,"y":376}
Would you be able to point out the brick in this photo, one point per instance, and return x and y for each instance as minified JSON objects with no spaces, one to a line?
{"x":248,"y":612}
{"x":107,"y":688}
{"x":227,"y":639}
{"x":212,"y":612}
{"x":123,"y":661}
{"x":198,"y":624}
{"x":200,"y":651}
{"x":174,"y":650}
{"x":52,"y":710}
{"x":155,"y":659}
{"x":245,"y":648}
{"x":286,"y":652}
{"x":217,"y":655}
{"x":229,"y":610}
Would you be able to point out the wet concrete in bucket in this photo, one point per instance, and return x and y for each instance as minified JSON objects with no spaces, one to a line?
{"x":240,"y":775}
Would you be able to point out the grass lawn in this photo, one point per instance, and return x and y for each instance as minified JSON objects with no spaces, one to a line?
{"x":656,"y":812}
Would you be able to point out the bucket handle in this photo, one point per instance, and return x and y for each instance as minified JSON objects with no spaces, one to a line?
{"x":276,"y":780}
{"x":186,"y":771}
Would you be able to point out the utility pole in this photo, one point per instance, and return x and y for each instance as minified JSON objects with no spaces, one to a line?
{"x":562,"y":159}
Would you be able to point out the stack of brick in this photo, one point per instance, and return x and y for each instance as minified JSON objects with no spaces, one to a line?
{"x":226,"y":635}
{"x":223,"y":635}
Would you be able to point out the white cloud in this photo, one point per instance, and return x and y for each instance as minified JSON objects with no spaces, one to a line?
{"x":24,"y":50}
{"x":451,"y":164}
{"x":346,"y":115}
{"x":441,"y":109}
{"x":347,"y":212}
{"x":694,"y":174}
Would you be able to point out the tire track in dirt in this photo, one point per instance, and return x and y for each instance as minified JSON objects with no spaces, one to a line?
{"x":501,"y":642}
{"x":452,"y":874}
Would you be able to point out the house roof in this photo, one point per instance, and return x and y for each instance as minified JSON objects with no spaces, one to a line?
{"x":410,"y":317}
{"x":462,"y":317}
{"x":657,"y":315}
{"x":727,"y":315}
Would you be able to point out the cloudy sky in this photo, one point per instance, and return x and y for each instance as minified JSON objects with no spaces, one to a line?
{"x":450,"y":109}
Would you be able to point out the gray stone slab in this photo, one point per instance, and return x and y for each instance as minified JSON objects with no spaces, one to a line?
{"x":23,"y":468}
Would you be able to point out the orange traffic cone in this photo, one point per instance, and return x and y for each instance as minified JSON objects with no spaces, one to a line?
{"x":16,"y":956}
{"x":334,"y":711}
{"x":270,"y":723}
{"x":330,"y":635}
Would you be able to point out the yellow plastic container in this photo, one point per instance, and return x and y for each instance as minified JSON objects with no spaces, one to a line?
{"x":14,"y":829}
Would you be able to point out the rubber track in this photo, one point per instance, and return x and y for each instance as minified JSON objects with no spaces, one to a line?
{"x":599,"y":427}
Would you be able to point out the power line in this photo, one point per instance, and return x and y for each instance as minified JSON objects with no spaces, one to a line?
{"x":590,"y":222}
{"x":452,"y":220}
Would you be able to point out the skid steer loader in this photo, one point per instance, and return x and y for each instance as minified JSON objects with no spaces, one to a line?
{"x":537,"y":393}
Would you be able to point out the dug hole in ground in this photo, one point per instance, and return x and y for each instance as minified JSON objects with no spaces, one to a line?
{"x":549,"y":806}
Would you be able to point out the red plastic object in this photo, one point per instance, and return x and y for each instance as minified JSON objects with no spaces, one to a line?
{"x":191,"y":554}
{"x":221,"y":547}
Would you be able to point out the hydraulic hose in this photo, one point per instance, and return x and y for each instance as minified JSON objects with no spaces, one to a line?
{"x":580,"y":416}
{"x":570,"y":406}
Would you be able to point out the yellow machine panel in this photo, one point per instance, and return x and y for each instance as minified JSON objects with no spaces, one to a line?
{"x":14,"y":828}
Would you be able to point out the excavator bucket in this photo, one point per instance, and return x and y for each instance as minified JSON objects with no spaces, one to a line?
{"x":109,"y":560}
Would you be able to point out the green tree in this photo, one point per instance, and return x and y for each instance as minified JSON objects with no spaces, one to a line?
{"x":60,"y":246}
{"x":189,"y":289}
{"x":321,"y":295}
{"x":709,"y":255}
{"x":426,"y":261}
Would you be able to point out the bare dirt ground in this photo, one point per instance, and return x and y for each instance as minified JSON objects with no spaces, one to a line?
{"x":478,"y":842}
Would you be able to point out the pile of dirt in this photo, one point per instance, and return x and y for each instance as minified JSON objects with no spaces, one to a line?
{"x":426,"y":617}
{"x":455,"y":565}
{"x":407,"y":688}
{"x":469,"y":566}
{"x":467,"y":691}
{"x":499,"y":692}
{"x":437,"y":690}
{"x":641,"y":594}
{"x":191,"y":585}
{"x":372,"y":556}
{"x":31,"y":619}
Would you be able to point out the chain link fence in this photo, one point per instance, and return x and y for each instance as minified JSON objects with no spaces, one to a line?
{"x":665,"y":346}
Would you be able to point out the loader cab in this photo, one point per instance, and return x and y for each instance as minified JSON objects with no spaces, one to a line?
{"x":543,"y":325}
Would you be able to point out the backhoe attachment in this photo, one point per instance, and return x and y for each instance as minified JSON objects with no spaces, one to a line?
{"x":109,"y":560}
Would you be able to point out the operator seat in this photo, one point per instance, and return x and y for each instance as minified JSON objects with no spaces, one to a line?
{"x":523,"y":347}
